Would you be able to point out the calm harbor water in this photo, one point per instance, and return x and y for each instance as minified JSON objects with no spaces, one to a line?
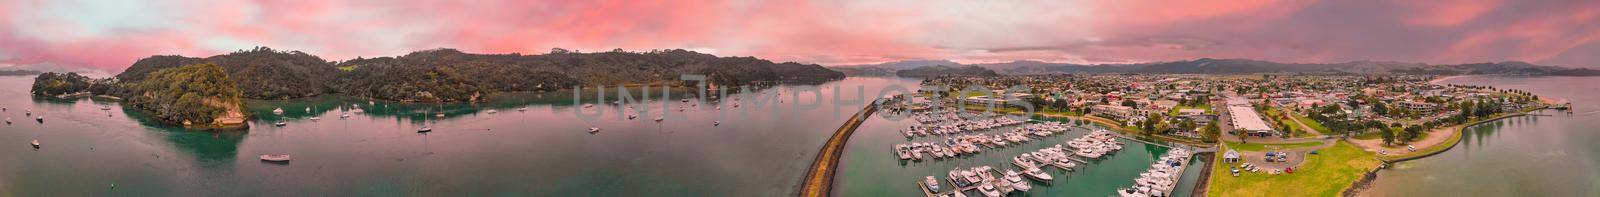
{"x":1556,"y":155}
{"x":543,"y":151}
{"x":869,"y":169}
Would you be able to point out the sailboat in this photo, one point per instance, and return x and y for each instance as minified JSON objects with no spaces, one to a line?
{"x":424,"y":129}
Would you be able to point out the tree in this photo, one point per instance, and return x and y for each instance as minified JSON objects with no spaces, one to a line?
{"x":1212,"y":131}
{"x":1388,"y":136}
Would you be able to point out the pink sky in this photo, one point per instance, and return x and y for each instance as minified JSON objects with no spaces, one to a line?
{"x":110,"y":35}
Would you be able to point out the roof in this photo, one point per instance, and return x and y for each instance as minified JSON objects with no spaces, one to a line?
{"x":1245,"y":118}
{"x":1238,"y":101}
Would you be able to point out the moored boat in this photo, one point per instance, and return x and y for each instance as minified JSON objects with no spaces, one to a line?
{"x":275,"y":158}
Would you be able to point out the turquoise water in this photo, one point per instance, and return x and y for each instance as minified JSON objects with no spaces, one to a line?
{"x":1555,"y":155}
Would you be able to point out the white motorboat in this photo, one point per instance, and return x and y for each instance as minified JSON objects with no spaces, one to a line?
{"x":660,"y":118}
{"x":716,"y":123}
{"x":933,"y":184}
{"x":1037,"y":174}
{"x":40,"y":119}
{"x":588,"y":105}
{"x":308,"y":109}
{"x":345,"y":115}
{"x":439,"y":115}
{"x":1013,"y":176}
{"x":275,"y":158}
{"x":631,"y":116}
{"x":277,"y":111}
{"x":989,"y":190}
{"x":594,"y":129}
{"x":280,"y":124}
{"x":35,"y":144}
{"x":315,"y":118}
{"x":522,"y":109}
{"x":492,"y":111}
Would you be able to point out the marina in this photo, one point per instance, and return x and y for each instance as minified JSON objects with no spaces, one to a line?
{"x":1057,"y":168}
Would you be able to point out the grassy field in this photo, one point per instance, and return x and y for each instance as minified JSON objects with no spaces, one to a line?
{"x":1310,"y":123}
{"x":1207,"y":107}
{"x":1265,"y":147}
{"x":1326,"y":174}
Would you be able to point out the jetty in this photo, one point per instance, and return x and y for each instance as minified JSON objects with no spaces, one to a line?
{"x":819,"y":177}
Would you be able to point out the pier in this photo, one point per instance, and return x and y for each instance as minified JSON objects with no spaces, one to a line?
{"x":819,"y":177}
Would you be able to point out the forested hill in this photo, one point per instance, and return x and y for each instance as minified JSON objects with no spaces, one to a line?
{"x":932,"y":71}
{"x":447,"y":75}
{"x":452,"y":75}
{"x":263,"y":73}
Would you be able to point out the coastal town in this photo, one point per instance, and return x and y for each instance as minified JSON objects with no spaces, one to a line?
{"x":1258,"y":135}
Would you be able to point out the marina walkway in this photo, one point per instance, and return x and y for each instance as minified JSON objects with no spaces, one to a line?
{"x":819,"y":177}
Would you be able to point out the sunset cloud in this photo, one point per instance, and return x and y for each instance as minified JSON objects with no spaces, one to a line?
{"x":110,"y":35}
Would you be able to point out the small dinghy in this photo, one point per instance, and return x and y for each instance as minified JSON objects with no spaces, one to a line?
{"x":8,"y":121}
{"x":277,"y":111}
{"x":492,"y":111}
{"x":425,"y":129}
{"x":316,"y":118}
{"x":280,"y":124}
{"x":659,"y":118}
{"x":345,"y":115}
{"x":716,"y":123}
{"x":275,"y":158}
{"x":594,"y":129}
{"x":522,"y":109}
{"x":35,"y":144}
{"x":40,"y":119}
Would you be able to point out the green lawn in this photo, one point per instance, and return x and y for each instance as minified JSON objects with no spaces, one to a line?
{"x":1369,"y":135}
{"x":1207,"y":107}
{"x":1251,"y":147}
{"x":1326,"y":174}
{"x":1311,"y":123}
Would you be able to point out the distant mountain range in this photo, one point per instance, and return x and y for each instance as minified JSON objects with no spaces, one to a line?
{"x":19,"y":73}
{"x":941,"y":70}
{"x":1236,"y":66}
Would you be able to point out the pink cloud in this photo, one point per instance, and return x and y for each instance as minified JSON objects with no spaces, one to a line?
{"x":831,"y":32}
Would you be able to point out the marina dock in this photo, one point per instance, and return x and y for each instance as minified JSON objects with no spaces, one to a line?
{"x":819,"y":177}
